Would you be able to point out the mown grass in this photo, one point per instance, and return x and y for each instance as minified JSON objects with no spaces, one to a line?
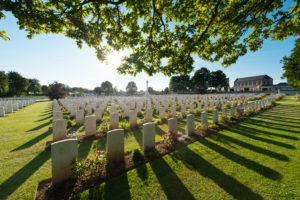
{"x":255,"y":159}
{"x":235,"y":163}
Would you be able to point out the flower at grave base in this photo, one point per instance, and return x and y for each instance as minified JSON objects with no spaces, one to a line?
{"x":100,"y":152}
{"x":88,"y":160}
{"x":169,"y":131}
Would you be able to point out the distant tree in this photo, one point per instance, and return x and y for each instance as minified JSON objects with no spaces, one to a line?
{"x":17,"y":84}
{"x":44,"y":89}
{"x":150,"y":90}
{"x":218,"y":79}
{"x":3,"y":83}
{"x":55,"y":91}
{"x":180,"y":83}
{"x":131,"y":88}
{"x":107,"y":88}
{"x":291,"y":66}
{"x":34,"y":86}
{"x":201,"y":80}
{"x":97,"y":90}
{"x":166,"y":90}
{"x":115,"y":90}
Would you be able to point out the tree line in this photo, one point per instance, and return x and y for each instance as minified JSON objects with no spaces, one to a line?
{"x":199,"y":82}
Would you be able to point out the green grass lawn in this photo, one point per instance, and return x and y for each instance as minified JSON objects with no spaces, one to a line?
{"x":255,"y":159}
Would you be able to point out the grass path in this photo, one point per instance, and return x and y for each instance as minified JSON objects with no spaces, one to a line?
{"x":256,"y":159}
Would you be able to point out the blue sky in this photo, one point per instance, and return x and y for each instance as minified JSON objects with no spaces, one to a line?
{"x":55,"y":57}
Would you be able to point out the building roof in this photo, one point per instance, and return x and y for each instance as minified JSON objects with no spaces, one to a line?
{"x":253,"y":78}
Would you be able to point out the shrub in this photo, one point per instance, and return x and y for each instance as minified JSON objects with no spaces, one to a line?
{"x":140,"y":115}
{"x":157,"y":121}
{"x":96,"y":164}
{"x":70,"y":123}
{"x":124,"y":125}
{"x":213,"y":126}
{"x":168,"y":140}
{"x":66,"y":116}
{"x":273,"y":103}
{"x":137,"y":155}
{"x":224,"y":119}
{"x":104,"y":127}
{"x":197,"y":111}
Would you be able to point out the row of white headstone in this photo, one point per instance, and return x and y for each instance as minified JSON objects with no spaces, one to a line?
{"x":64,"y":151}
{"x":11,"y":106}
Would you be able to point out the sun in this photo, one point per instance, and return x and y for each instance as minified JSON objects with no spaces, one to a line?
{"x":114,"y":59}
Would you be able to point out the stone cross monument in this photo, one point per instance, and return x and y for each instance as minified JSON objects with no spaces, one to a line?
{"x":147,"y":92}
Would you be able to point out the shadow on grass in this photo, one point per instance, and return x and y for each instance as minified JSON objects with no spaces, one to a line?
{"x":116,"y":188}
{"x":257,"y":149}
{"x":142,"y":172}
{"x":249,"y":134}
{"x":138,"y":135}
{"x":18,"y":178}
{"x":169,"y":181}
{"x":258,"y":168}
{"x":48,"y":117}
{"x":159,"y":131}
{"x":250,"y":129}
{"x":84,"y":149}
{"x":205,"y":169}
{"x":40,"y":126}
{"x":33,"y":141}
{"x":277,"y":126}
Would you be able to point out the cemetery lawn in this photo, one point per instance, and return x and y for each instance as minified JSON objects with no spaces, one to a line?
{"x":255,"y":159}
{"x":258,"y":158}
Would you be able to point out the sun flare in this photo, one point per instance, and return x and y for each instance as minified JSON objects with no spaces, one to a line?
{"x":114,"y":59}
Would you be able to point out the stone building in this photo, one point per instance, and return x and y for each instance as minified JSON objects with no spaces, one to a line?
{"x":253,"y":83}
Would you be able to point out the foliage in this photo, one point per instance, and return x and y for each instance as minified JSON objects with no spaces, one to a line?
{"x":55,"y":91}
{"x":168,"y":140}
{"x":34,"y":86}
{"x":104,"y":127}
{"x":71,"y":123}
{"x":180,"y":84}
{"x":213,"y":126}
{"x":44,"y":89}
{"x":291,"y":66}
{"x":201,"y":80}
{"x":96,"y":164}
{"x":154,"y":31}
{"x":224,"y":119}
{"x":218,"y":79}
{"x":3,"y":83}
{"x":152,"y":153}
{"x":17,"y":84}
{"x":137,"y":155}
{"x":106,"y":88}
{"x":131,"y":88}
{"x":98,"y":90}
{"x":124,"y":125}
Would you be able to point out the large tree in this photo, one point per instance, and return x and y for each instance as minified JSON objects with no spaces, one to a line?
{"x":218,"y":79}
{"x":180,"y":84}
{"x":161,"y":30}
{"x":200,"y":80}
{"x":107,"y":88}
{"x":291,"y":66}
{"x":97,"y":90}
{"x":34,"y":86}
{"x":3,"y":84}
{"x":17,"y":84}
{"x":131,"y":88}
{"x":55,"y":91}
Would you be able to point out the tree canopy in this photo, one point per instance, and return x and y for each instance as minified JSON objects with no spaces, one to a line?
{"x":17,"y":84}
{"x":163,"y":35}
{"x":180,"y":83}
{"x":55,"y":91}
{"x":107,"y":88}
{"x":34,"y":86}
{"x":201,"y":80}
{"x":131,"y":88}
{"x":291,"y":66}
{"x":218,"y":79}
{"x":3,"y":83}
